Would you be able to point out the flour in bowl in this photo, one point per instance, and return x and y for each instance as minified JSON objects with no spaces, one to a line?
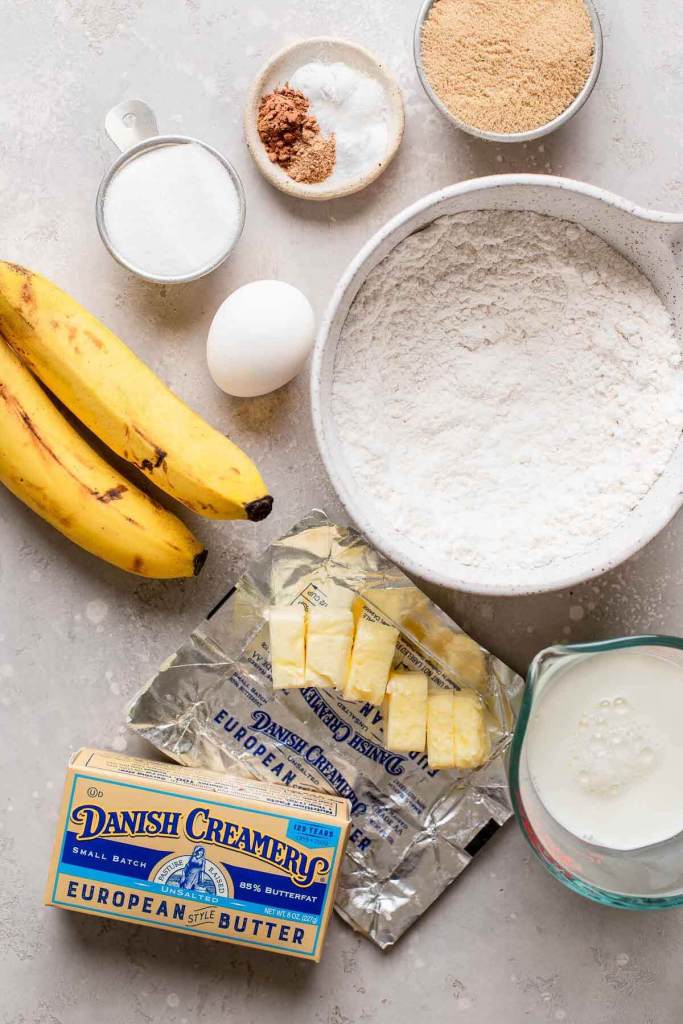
{"x":506,"y":389}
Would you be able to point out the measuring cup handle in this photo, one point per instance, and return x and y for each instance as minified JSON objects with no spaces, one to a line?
{"x":130,"y":122}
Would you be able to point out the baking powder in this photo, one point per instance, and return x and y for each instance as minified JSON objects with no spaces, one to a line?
{"x":506,"y":389}
{"x":351,"y":106}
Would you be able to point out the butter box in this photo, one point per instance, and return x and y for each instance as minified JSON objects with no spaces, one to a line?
{"x":196,"y":851}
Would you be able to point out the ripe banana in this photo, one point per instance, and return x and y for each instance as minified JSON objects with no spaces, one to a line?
{"x":49,"y":467}
{"x":123,"y":402}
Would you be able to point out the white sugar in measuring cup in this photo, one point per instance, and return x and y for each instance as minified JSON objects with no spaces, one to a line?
{"x":132,"y":127}
{"x":650,"y":239}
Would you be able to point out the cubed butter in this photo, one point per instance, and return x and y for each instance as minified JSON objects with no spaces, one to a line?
{"x":405,"y":712}
{"x":472,"y":742}
{"x":288,"y":646}
{"x":467,"y":658}
{"x":440,"y":729}
{"x":457,"y":736}
{"x":329,"y":637}
{"x":371,"y":659}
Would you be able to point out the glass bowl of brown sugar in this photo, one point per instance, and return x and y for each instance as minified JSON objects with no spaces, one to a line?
{"x":508,"y":70}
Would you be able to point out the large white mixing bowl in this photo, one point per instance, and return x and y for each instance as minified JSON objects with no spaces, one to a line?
{"x":653,"y":241}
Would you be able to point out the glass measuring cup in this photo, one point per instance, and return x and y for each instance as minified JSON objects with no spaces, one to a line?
{"x":650,"y":877}
{"x":132,"y":127}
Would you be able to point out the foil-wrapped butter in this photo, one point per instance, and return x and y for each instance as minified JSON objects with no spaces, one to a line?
{"x":212,"y":704}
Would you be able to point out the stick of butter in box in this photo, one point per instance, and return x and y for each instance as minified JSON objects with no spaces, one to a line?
{"x":373,"y":652}
{"x":457,"y":736}
{"x":405,"y":712}
{"x":287,"y":646}
{"x":329,"y":637}
{"x":189,"y":850}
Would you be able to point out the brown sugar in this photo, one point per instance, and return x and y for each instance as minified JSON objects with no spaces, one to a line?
{"x":292,"y":137}
{"x":507,"y":65}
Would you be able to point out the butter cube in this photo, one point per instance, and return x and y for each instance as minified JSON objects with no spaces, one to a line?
{"x":466,"y":657}
{"x":456,"y":730}
{"x":472,"y":742}
{"x":440,"y":729}
{"x":329,"y":638}
{"x":287,"y":646}
{"x":371,"y":659}
{"x":405,"y":712}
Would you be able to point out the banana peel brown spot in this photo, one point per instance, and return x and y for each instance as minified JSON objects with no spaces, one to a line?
{"x":27,"y":295}
{"x":149,"y":465}
{"x":15,"y":407}
{"x":113,"y":494}
{"x":18,"y":269}
{"x":5,"y":325}
{"x":138,"y":564}
{"x":45,"y":448}
{"x":97,"y":342}
{"x":159,"y":456}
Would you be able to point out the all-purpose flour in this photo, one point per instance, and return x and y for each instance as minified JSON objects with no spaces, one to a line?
{"x":506,"y":389}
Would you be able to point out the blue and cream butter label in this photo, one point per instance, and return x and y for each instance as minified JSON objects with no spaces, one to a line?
{"x":247,"y":862}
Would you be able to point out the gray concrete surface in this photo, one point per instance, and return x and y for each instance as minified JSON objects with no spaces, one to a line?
{"x":77,"y":637}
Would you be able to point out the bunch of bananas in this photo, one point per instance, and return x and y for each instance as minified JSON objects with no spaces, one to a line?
{"x":45,"y":334}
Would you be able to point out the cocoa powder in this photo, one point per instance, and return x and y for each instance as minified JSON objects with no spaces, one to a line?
{"x":292,"y":137}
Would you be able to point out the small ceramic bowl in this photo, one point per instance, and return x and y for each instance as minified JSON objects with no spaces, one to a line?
{"x":279,"y":70}
{"x":534,"y":133}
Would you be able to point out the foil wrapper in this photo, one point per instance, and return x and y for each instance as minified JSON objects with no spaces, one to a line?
{"x":212,"y":705}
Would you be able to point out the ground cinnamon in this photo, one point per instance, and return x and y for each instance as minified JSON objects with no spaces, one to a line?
{"x":292,"y":137}
{"x":314,"y":160}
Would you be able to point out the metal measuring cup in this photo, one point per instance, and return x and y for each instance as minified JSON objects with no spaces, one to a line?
{"x":132,"y":127}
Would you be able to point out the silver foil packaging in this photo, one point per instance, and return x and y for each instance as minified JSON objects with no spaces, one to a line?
{"x":212,"y":705}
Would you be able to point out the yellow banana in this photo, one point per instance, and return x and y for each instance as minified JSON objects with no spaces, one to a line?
{"x":123,"y":402}
{"x":50,"y":467}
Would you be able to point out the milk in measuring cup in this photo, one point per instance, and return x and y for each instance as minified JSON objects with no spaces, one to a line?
{"x":605,"y":748}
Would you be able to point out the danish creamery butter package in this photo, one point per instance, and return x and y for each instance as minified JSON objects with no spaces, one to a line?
{"x":249,"y":862}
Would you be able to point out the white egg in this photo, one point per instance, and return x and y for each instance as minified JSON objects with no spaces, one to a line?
{"x":260,"y":338}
